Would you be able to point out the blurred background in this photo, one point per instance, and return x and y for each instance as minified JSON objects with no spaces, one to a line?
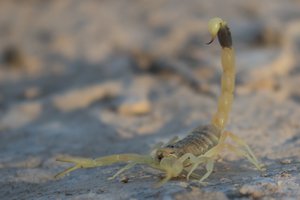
{"x":47,"y":47}
{"x":91,"y":78}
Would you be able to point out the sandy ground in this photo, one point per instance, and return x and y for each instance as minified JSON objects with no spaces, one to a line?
{"x":94,"y":78}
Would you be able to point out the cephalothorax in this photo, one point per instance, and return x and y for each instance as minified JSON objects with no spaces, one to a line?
{"x":202,"y":145}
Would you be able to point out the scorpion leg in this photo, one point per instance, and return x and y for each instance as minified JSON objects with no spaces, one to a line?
{"x":104,"y":161}
{"x":209,"y":169}
{"x":123,"y":169}
{"x":192,"y":160}
{"x":237,"y":151}
{"x":243,"y":149}
{"x":161,"y":144}
{"x":79,"y":163}
{"x":247,"y":151}
{"x":157,"y":146}
{"x":166,"y":179}
{"x":241,"y":152}
{"x":172,"y":140}
{"x":66,"y":171}
{"x":196,"y":161}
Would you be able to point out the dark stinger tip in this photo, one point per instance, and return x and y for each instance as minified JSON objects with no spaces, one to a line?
{"x":208,"y":43}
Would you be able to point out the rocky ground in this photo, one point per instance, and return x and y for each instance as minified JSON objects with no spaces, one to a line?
{"x":94,"y":78}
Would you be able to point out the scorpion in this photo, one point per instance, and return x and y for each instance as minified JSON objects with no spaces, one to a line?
{"x":202,"y":145}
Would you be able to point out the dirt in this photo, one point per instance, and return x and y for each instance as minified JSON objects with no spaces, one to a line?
{"x":71,"y":85}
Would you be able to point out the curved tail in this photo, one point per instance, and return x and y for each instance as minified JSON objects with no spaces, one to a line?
{"x":218,"y":28}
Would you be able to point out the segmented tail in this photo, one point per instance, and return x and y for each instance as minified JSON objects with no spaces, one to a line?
{"x":218,"y":27}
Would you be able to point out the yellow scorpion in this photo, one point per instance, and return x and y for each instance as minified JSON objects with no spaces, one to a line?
{"x":202,"y":145}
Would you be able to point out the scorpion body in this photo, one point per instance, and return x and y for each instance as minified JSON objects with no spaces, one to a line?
{"x":198,"y":142}
{"x":202,"y":145}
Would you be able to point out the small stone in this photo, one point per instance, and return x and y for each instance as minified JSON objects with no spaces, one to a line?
{"x":141,"y":107}
{"x":265,"y":174}
{"x":20,"y":115}
{"x":225,"y":180}
{"x":124,"y":179}
{"x":32,"y":92}
{"x":286,"y":161}
{"x":81,"y":98}
{"x":251,"y":190}
{"x":285,"y":174}
{"x":183,"y":184}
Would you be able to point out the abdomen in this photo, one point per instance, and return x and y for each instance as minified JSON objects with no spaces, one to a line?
{"x":198,"y":142}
